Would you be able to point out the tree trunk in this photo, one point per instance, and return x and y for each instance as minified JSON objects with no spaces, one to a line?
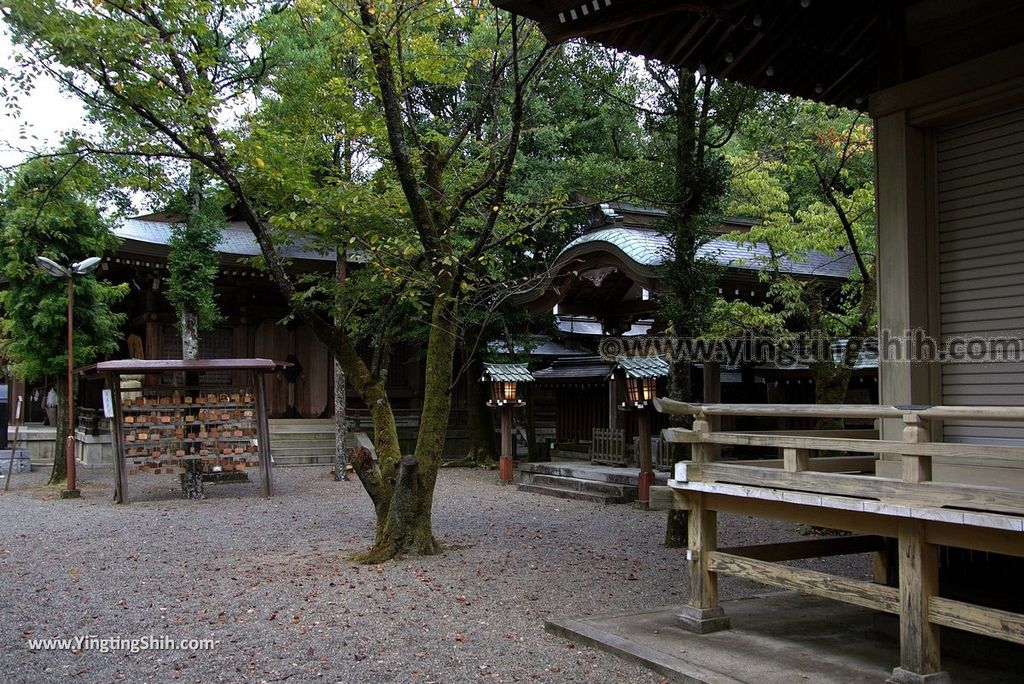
{"x":59,"y":473}
{"x":407,"y":528}
{"x":340,"y":400}
{"x":340,"y":429}
{"x":189,"y":335}
{"x":679,"y":389}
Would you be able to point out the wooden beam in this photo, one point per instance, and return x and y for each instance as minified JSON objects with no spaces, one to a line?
{"x":857,"y":592}
{"x":667,"y":499}
{"x":990,"y":622}
{"x":839,"y":519}
{"x":810,"y":548}
{"x":919,"y":582}
{"x":819,"y":464}
{"x":991,"y":454}
{"x":932,"y":494}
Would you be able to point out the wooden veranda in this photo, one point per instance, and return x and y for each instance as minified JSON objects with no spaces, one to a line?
{"x":842,"y":492}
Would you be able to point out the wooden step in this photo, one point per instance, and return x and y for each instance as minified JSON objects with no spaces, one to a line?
{"x":563,"y":493}
{"x":590,"y":486}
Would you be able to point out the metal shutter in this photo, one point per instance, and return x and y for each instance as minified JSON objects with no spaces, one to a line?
{"x":980,"y":175}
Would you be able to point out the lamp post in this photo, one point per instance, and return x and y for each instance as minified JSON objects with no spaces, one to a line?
{"x":505,"y":379}
{"x":69,"y":272}
{"x":640,"y":378}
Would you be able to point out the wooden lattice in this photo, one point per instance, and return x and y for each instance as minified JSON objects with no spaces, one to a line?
{"x":608,"y":446}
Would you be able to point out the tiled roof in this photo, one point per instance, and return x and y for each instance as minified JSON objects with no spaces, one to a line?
{"x":588,"y":368}
{"x":649,"y":247}
{"x":235,"y":239}
{"x":506,"y":372}
{"x":642,"y":366}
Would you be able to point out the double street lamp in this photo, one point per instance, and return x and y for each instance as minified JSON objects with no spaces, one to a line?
{"x":69,"y":272}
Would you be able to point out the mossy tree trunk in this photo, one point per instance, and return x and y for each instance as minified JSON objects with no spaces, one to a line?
{"x":406,"y":526}
{"x":59,"y":473}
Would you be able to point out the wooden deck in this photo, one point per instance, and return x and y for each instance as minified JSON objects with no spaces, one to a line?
{"x":843,"y":492}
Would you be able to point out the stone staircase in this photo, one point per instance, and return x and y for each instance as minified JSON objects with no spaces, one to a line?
{"x":582,"y":481}
{"x":302,"y":442}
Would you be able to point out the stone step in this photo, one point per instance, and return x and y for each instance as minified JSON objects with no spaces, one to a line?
{"x":301,"y":436}
{"x":562,"y":455}
{"x":297,"y":461}
{"x":611,"y":474}
{"x":591,"y":486}
{"x":563,"y":493}
{"x":303,"y":451}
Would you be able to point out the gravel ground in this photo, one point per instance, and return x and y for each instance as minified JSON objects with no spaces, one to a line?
{"x":270,"y":580}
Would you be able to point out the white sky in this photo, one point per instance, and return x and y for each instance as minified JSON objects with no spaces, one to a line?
{"x":46,"y":112}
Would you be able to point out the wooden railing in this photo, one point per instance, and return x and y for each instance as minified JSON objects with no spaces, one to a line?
{"x":844,"y":492}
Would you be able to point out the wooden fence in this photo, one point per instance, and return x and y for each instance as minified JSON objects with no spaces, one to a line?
{"x":843,"y":492}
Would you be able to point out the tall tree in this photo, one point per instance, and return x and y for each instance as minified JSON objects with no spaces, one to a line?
{"x":441,"y":100}
{"x":691,"y":118}
{"x":50,"y":209}
{"x":807,"y":171}
{"x":192,"y":263}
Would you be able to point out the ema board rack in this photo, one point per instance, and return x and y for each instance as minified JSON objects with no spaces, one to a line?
{"x":163,"y":429}
{"x":169,"y":424}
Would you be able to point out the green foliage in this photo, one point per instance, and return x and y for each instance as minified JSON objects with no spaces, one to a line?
{"x":806,"y":171}
{"x":193,"y":262}
{"x":48,"y":210}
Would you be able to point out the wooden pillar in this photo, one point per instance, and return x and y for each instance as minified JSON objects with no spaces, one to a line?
{"x":919,"y":581}
{"x":263,"y":430}
{"x":646,"y":477}
{"x":613,"y":404}
{"x":702,"y":613}
{"x":906,"y":262}
{"x":920,"y":659}
{"x":120,"y":466}
{"x":505,"y":462}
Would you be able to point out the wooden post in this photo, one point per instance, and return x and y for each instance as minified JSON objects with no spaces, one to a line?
{"x":120,"y":466}
{"x":505,"y":472}
{"x":920,"y":659}
{"x":646,"y":476}
{"x":919,"y":581}
{"x":796,"y":460}
{"x":915,"y":431}
{"x":263,"y":430}
{"x":702,"y":613}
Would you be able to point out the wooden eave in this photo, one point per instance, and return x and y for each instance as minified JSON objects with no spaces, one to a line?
{"x":826,"y":51}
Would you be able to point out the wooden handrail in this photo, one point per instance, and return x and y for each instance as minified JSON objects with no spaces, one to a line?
{"x":867,"y":411}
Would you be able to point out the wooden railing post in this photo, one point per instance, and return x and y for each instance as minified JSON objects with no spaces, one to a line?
{"x":702,"y":613}
{"x":920,"y":659}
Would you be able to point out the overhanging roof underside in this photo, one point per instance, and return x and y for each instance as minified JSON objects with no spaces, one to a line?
{"x":819,"y":49}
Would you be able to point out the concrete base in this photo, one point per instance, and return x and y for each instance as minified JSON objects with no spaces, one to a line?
{"x":901,"y":676}
{"x":703,"y":620}
{"x":776,"y":638}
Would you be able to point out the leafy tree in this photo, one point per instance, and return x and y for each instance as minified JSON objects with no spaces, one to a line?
{"x":49,"y":209}
{"x":807,"y":171}
{"x":435,"y":98}
{"x":690,"y":119}
{"x":192,"y":262}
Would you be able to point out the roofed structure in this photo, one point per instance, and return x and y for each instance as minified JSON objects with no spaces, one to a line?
{"x":833,"y":52}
